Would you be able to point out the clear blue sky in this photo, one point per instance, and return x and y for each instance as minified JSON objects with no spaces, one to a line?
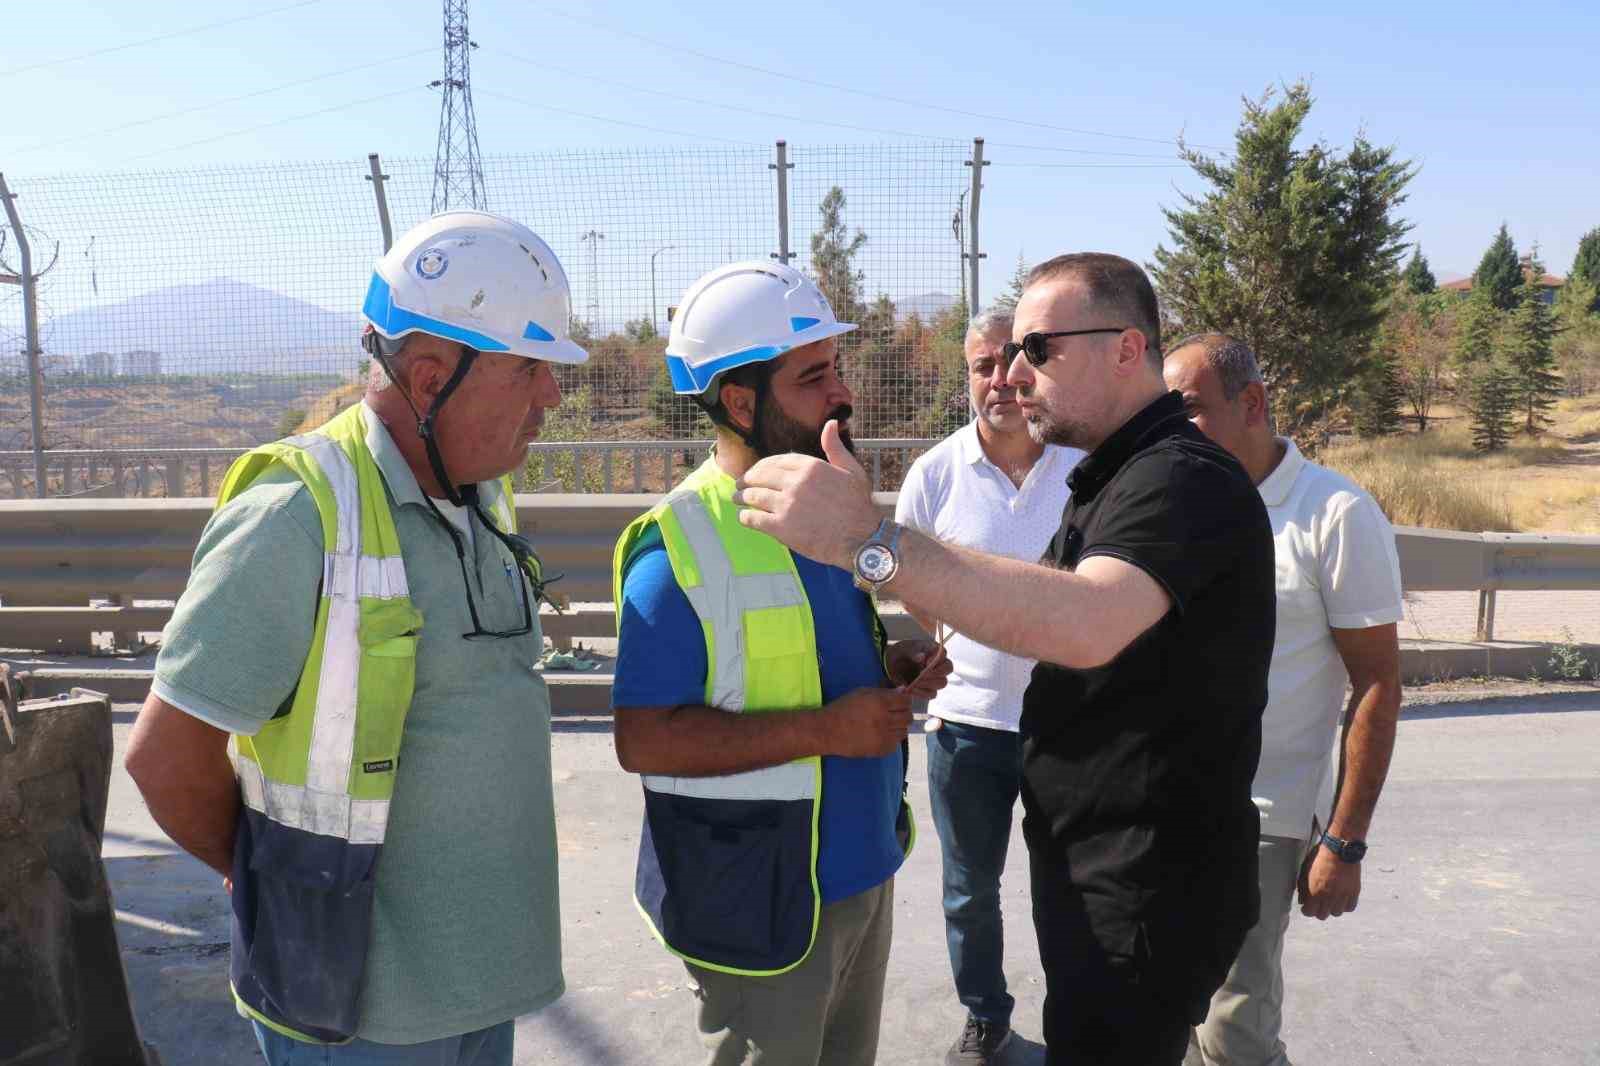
{"x":1496,"y":102}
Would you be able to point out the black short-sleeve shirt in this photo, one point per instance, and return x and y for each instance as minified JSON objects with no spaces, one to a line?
{"x":1137,"y":773}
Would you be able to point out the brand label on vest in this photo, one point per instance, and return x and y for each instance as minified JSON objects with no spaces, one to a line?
{"x":378,"y":767}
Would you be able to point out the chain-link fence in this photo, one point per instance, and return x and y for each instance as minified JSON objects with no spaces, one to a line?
{"x":218,"y":309}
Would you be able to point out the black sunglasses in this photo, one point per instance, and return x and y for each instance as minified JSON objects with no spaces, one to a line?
{"x":1036,"y":346}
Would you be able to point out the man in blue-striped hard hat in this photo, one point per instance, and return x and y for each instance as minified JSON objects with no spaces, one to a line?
{"x":752,"y":696}
{"x":362,"y":620}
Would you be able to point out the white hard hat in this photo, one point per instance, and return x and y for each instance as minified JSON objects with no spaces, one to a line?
{"x":744,"y":313}
{"x":485,"y":281}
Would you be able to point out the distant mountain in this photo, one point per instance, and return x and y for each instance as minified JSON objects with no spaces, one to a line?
{"x":927,"y":305}
{"x":217,"y":326}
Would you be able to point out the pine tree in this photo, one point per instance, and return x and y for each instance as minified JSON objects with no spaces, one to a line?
{"x":833,"y":255}
{"x":1292,"y":249}
{"x":1492,"y":406}
{"x":1530,"y":352}
{"x":1007,"y":301}
{"x":1417,"y":277}
{"x":1477,"y":331}
{"x":1586,"y":264}
{"x":1500,"y":271}
{"x":1377,"y":408}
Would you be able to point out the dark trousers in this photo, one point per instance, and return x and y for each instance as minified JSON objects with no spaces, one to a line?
{"x":1106,"y":1009}
{"x":974,"y":775}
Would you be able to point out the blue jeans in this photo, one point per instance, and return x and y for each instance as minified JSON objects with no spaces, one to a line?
{"x":974,"y":775}
{"x":486,"y":1047}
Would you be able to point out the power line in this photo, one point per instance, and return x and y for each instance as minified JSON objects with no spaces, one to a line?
{"x":617,"y":121}
{"x":153,"y":40}
{"x":1091,"y":166}
{"x":683,"y":50}
{"x":276,"y":122}
{"x":221,"y":103}
{"x":547,"y":66}
{"x":542,"y":65}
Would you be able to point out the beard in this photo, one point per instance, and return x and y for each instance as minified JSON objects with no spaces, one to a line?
{"x":1048,"y":427}
{"x":779,"y":434}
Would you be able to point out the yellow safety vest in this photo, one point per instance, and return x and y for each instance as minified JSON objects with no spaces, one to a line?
{"x":727,"y":875}
{"x":317,"y":779}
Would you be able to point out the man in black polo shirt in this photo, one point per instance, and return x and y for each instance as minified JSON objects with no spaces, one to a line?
{"x":1152,"y":619}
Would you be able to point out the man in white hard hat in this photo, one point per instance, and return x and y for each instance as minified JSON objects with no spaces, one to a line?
{"x":362,"y":619}
{"x":753,"y":696}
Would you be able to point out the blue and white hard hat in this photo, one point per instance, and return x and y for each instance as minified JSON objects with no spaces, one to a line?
{"x":744,"y":313}
{"x":479,"y":279}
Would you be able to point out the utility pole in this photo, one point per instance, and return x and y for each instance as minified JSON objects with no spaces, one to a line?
{"x":457,"y":171}
{"x":958,"y":228}
{"x":26,"y":278}
{"x":653,"y":255}
{"x":594,"y":237}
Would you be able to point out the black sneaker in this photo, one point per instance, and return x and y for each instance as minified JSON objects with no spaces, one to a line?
{"x":979,"y":1044}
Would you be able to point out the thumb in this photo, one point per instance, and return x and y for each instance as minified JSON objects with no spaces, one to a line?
{"x":833,"y":447}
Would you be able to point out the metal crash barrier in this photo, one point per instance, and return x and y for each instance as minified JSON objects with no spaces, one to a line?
{"x":63,"y":990}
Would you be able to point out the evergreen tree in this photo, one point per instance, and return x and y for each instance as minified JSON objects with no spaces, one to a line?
{"x":1492,"y":406}
{"x":1530,"y":352}
{"x":1586,"y":264}
{"x":833,"y":255}
{"x":1417,"y":277}
{"x":1294,"y":250}
{"x":1477,"y":330}
{"x":1377,"y":407}
{"x":1007,"y":301}
{"x":1500,"y":271}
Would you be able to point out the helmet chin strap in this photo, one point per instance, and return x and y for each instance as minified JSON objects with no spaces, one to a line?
{"x":457,"y":495}
{"x":752,"y":437}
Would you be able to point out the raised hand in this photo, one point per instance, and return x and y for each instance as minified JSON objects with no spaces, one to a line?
{"x":823,"y":510}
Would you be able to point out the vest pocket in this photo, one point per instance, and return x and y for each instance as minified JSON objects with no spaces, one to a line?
{"x":302,"y":908}
{"x":735,"y":878}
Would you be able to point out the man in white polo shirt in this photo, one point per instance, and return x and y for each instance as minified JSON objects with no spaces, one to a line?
{"x":987,"y":486}
{"x":1338,"y":602}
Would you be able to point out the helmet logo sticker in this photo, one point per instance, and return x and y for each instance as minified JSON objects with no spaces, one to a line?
{"x":431,"y":264}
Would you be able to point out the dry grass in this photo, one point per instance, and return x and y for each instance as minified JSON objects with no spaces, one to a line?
{"x":1549,"y":483}
{"x":1426,"y":480}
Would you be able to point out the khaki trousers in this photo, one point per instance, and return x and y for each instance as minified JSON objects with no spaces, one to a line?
{"x":1246,"y":1015}
{"x":823,"y":1012}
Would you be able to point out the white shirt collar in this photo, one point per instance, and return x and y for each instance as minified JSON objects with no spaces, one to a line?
{"x":971,"y":450}
{"x":1274,"y":488}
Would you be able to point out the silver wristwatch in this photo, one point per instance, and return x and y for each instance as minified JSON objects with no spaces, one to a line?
{"x":878,"y":559}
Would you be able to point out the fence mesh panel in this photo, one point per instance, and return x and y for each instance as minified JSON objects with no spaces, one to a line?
{"x":220,"y":308}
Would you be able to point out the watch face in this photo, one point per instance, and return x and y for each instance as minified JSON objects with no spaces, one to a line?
{"x":875,"y":563}
{"x":1354,"y":851}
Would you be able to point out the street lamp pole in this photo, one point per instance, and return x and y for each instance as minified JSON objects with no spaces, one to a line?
{"x":653,"y":255}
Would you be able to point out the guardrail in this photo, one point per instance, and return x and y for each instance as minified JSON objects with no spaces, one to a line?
{"x":58,"y":555}
{"x":553,"y":466}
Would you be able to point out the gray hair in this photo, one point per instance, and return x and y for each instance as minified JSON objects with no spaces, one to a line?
{"x":1230,"y":358}
{"x":993,"y":320}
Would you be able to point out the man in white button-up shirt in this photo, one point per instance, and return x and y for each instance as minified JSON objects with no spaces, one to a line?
{"x":987,"y":486}
{"x":1338,"y":601}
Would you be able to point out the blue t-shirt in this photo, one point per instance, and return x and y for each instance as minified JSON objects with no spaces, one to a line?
{"x":661,"y":662}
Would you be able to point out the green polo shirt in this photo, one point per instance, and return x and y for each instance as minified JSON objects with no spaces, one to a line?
{"x":466,"y":924}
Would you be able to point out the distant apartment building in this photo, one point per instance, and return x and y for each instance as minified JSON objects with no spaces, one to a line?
{"x":99,"y":365}
{"x":141,"y":364}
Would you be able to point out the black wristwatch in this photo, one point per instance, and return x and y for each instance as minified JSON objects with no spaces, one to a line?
{"x":1351,"y":851}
